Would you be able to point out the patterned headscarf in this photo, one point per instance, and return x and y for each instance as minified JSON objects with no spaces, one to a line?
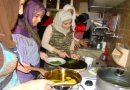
{"x":60,"y":17}
{"x":66,"y":7}
{"x":33,"y":7}
{"x":8,"y":17}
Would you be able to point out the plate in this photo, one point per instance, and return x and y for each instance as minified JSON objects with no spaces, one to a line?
{"x":54,"y":59}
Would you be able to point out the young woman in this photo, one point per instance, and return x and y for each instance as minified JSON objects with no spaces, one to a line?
{"x":58,"y":37}
{"x":28,"y":41}
{"x":71,"y":9}
{"x":8,"y":60}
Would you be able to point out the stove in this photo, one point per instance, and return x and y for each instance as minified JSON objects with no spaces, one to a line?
{"x":82,"y":86}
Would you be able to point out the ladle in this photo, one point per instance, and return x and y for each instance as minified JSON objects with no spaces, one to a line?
{"x":42,"y":71}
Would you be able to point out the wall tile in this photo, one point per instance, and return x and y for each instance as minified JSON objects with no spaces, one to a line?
{"x":123,"y":28}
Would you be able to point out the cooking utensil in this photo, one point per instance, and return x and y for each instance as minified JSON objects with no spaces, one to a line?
{"x":78,"y":65}
{"x":42,"y":71}
{"x":60,"y":75}
{"x":113,"y":79}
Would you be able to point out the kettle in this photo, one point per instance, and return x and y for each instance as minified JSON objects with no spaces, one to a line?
{"x":120,"y":54}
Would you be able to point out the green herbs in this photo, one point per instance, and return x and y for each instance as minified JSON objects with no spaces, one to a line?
{"x":71,"y":61}
{"x":55,"y":62}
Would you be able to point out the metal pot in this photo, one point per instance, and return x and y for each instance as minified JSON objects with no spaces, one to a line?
{"x":113,"y":79}
{"x":60,"y":75}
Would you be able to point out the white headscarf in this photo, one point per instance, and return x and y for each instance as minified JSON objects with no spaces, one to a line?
{"x":60,"y":17}
{"x":66,"y":7}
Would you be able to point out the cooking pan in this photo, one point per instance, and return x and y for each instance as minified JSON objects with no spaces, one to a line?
{"x":78,"y":65}
{"x":60,"y":75}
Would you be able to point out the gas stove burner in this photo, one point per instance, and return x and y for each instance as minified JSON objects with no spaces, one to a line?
{"x":89,"y":83}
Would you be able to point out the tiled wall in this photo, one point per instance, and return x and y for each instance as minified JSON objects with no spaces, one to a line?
{"x":123,"y":27}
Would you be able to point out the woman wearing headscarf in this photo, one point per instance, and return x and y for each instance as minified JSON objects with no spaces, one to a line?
{"x":28,"y":41}
{"x":58,"y":37}
{"x":8,"y":59}
{"x":8,"y":78}
{"x":71,"y":9}
{"x":84,"y":20}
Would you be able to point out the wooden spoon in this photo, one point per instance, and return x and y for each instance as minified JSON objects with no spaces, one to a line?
{"x":42,"y":71}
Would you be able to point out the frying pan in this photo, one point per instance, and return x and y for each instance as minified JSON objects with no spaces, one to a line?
{"x":61,"y":74}
{"x":78,"y":65}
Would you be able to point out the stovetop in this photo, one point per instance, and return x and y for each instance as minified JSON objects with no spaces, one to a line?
{"x":82,"y":86}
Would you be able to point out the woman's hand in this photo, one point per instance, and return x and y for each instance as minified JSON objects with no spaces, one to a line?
{"x":74,"y":55}
{"x":80,"y":43}
{"x":63,"y":54}
{"x":76,"y":44}
{"x":43,"y":55}
{"x":83,"y":43}
{"x":39,"y":84}
{"x":21,"y":67}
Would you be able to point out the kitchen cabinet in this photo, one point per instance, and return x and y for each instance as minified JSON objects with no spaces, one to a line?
{"x":103,"y":5}
{"x":54,"y":5}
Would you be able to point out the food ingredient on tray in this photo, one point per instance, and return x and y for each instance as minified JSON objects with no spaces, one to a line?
{"x":71,"y":61}
{"x":55,"y":62}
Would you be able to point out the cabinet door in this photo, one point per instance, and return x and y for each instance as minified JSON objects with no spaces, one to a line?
{"x":63,"y":3}
{"x":50,"y":4}
{"x":56,"y":4}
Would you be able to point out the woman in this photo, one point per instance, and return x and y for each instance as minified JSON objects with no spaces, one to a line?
{"x":28,"y":41}
{"x":8,"y":60}
{"x":46,"y":20}
{"x":58,"y":37}
{"x":71,"y":9}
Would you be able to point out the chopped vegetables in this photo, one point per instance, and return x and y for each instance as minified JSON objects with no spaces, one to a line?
{"x":71,"y":61}
{"x":55,"y":62}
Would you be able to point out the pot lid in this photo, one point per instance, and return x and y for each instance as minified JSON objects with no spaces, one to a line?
{"x":116,"y":76}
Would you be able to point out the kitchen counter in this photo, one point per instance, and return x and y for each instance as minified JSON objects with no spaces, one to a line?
{"x":95,"y":54}
{"x":87,"y":74}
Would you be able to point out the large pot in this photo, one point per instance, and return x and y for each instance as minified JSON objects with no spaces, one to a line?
{"x":113,"y":79}
{"x":60,"y":75}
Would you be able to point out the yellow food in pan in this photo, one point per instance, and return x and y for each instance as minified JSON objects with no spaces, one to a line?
{"x":68,"y":80}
